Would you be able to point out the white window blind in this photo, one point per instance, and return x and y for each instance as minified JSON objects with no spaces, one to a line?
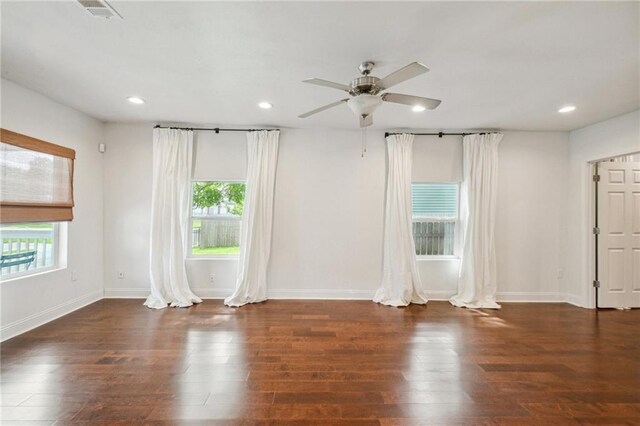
{"x":434,"y":200}
{"x":36,"y":180}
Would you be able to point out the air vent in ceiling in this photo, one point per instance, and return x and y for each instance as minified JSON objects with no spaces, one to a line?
{"x":99,"y":9}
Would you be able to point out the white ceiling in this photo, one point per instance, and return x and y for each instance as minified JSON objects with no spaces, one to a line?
{"x":501,"y":65}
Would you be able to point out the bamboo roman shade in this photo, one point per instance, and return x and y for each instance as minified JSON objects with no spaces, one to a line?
{"x":36,"y":180}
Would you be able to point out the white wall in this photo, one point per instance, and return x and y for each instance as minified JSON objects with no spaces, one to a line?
{"x":530,"y":224}
{"x":324,"y":190}
{"x":127,"y":205}
{"x":610,"y":138}
{"x":329,"y":207}
{"x":31,"y":301}
{"x":328,"y":211}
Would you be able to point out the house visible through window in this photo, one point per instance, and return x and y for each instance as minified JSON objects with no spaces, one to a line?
{"x":216,"y":218}
{"x":435,"y":218}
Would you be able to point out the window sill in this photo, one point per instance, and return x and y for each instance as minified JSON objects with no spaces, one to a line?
{"x":220,"y":257}
{"x":28,"y":274}
{"x":436,"y":258}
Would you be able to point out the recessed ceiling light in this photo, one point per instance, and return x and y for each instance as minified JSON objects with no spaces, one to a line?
{"x":418,"y":108}
{"x":135,"y":100}
{"x":265,"y":105}
{"x":567,"y":108}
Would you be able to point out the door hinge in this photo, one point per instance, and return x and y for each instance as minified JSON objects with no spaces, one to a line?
{"x":596,"y":231}
{"x":596,"y":283}
{"x":596,"y":178}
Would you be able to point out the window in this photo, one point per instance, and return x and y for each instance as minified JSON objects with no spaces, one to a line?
{"x":435,"y":218}
{"x":215,"y":218}
{"x":36,"y":192}
{"x":28,"y":248}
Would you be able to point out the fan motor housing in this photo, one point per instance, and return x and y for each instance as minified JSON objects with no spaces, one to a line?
{"x":365,"y":84}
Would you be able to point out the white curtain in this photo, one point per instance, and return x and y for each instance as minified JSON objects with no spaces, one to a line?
{"x":400,"y":279}
{"x":257,"y":218}
{"x":170,"y":205}
{"x":477,"y":281}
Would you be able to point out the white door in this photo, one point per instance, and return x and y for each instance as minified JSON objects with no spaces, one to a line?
{"x":619,"y":239}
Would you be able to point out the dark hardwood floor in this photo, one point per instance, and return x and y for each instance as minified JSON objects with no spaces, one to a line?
{"x":326,"y":362}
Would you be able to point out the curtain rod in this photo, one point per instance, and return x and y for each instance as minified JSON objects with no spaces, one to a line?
{"x":439,"y":134}
{"x":386,"y":134}
{"x":207,"y":129}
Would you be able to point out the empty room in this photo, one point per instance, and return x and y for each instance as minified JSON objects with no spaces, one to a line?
{"x":331,"y":213}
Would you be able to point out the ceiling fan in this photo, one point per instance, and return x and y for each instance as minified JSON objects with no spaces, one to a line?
{"x":365,"y":92}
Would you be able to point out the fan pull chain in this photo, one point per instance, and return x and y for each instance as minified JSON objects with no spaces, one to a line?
{"x":364,"y":142}
{"x":365,"y":139}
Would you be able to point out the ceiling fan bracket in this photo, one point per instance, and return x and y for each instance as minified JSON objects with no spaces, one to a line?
{"x":366,"y":67}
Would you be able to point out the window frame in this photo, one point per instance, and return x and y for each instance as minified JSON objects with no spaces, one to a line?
{"x":457,"y":241}
{"x":190,"y":254}
{"x":58,"y":263}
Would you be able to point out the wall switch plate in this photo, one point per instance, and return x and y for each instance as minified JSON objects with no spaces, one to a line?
{"x":74,"y":275}
{"x":212,"y":277}
{"x":120,"y":275}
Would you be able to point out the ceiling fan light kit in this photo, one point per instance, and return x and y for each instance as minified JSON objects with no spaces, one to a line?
{"x":364,"y":105}
{"x":365,"y":92}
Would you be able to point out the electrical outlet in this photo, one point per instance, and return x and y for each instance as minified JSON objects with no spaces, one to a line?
{"x":212,"y":277}
{"x":74,"y":275}
{"x":120,"y":275}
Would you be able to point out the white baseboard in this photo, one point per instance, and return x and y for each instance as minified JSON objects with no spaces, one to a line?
{"x":343,"y":294}
{"x":301,"y":294}
{"x":327,"y":294}
{"x":440,"y":295}
{"x":36,"y":320}
{"x":572,"y":299}
{"x":530,"y":297}
{"x":338,"y":294}
{"x":509,"y":296}
{"x":143,"y":293}
{"x":126,"y":293}
{"x":221,"y":293}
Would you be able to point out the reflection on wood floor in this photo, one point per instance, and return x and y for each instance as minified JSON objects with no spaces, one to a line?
{"x":326,"y":362}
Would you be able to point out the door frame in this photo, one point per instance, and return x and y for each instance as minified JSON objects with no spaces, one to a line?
{"x":592,"y":209}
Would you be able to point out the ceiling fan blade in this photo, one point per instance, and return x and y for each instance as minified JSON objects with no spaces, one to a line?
{"x":414,"y":69}
{"x":366,"y":121}
{"x":397,"y":98}
{"x":327,"y":83}
{"x":322,"y":108}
